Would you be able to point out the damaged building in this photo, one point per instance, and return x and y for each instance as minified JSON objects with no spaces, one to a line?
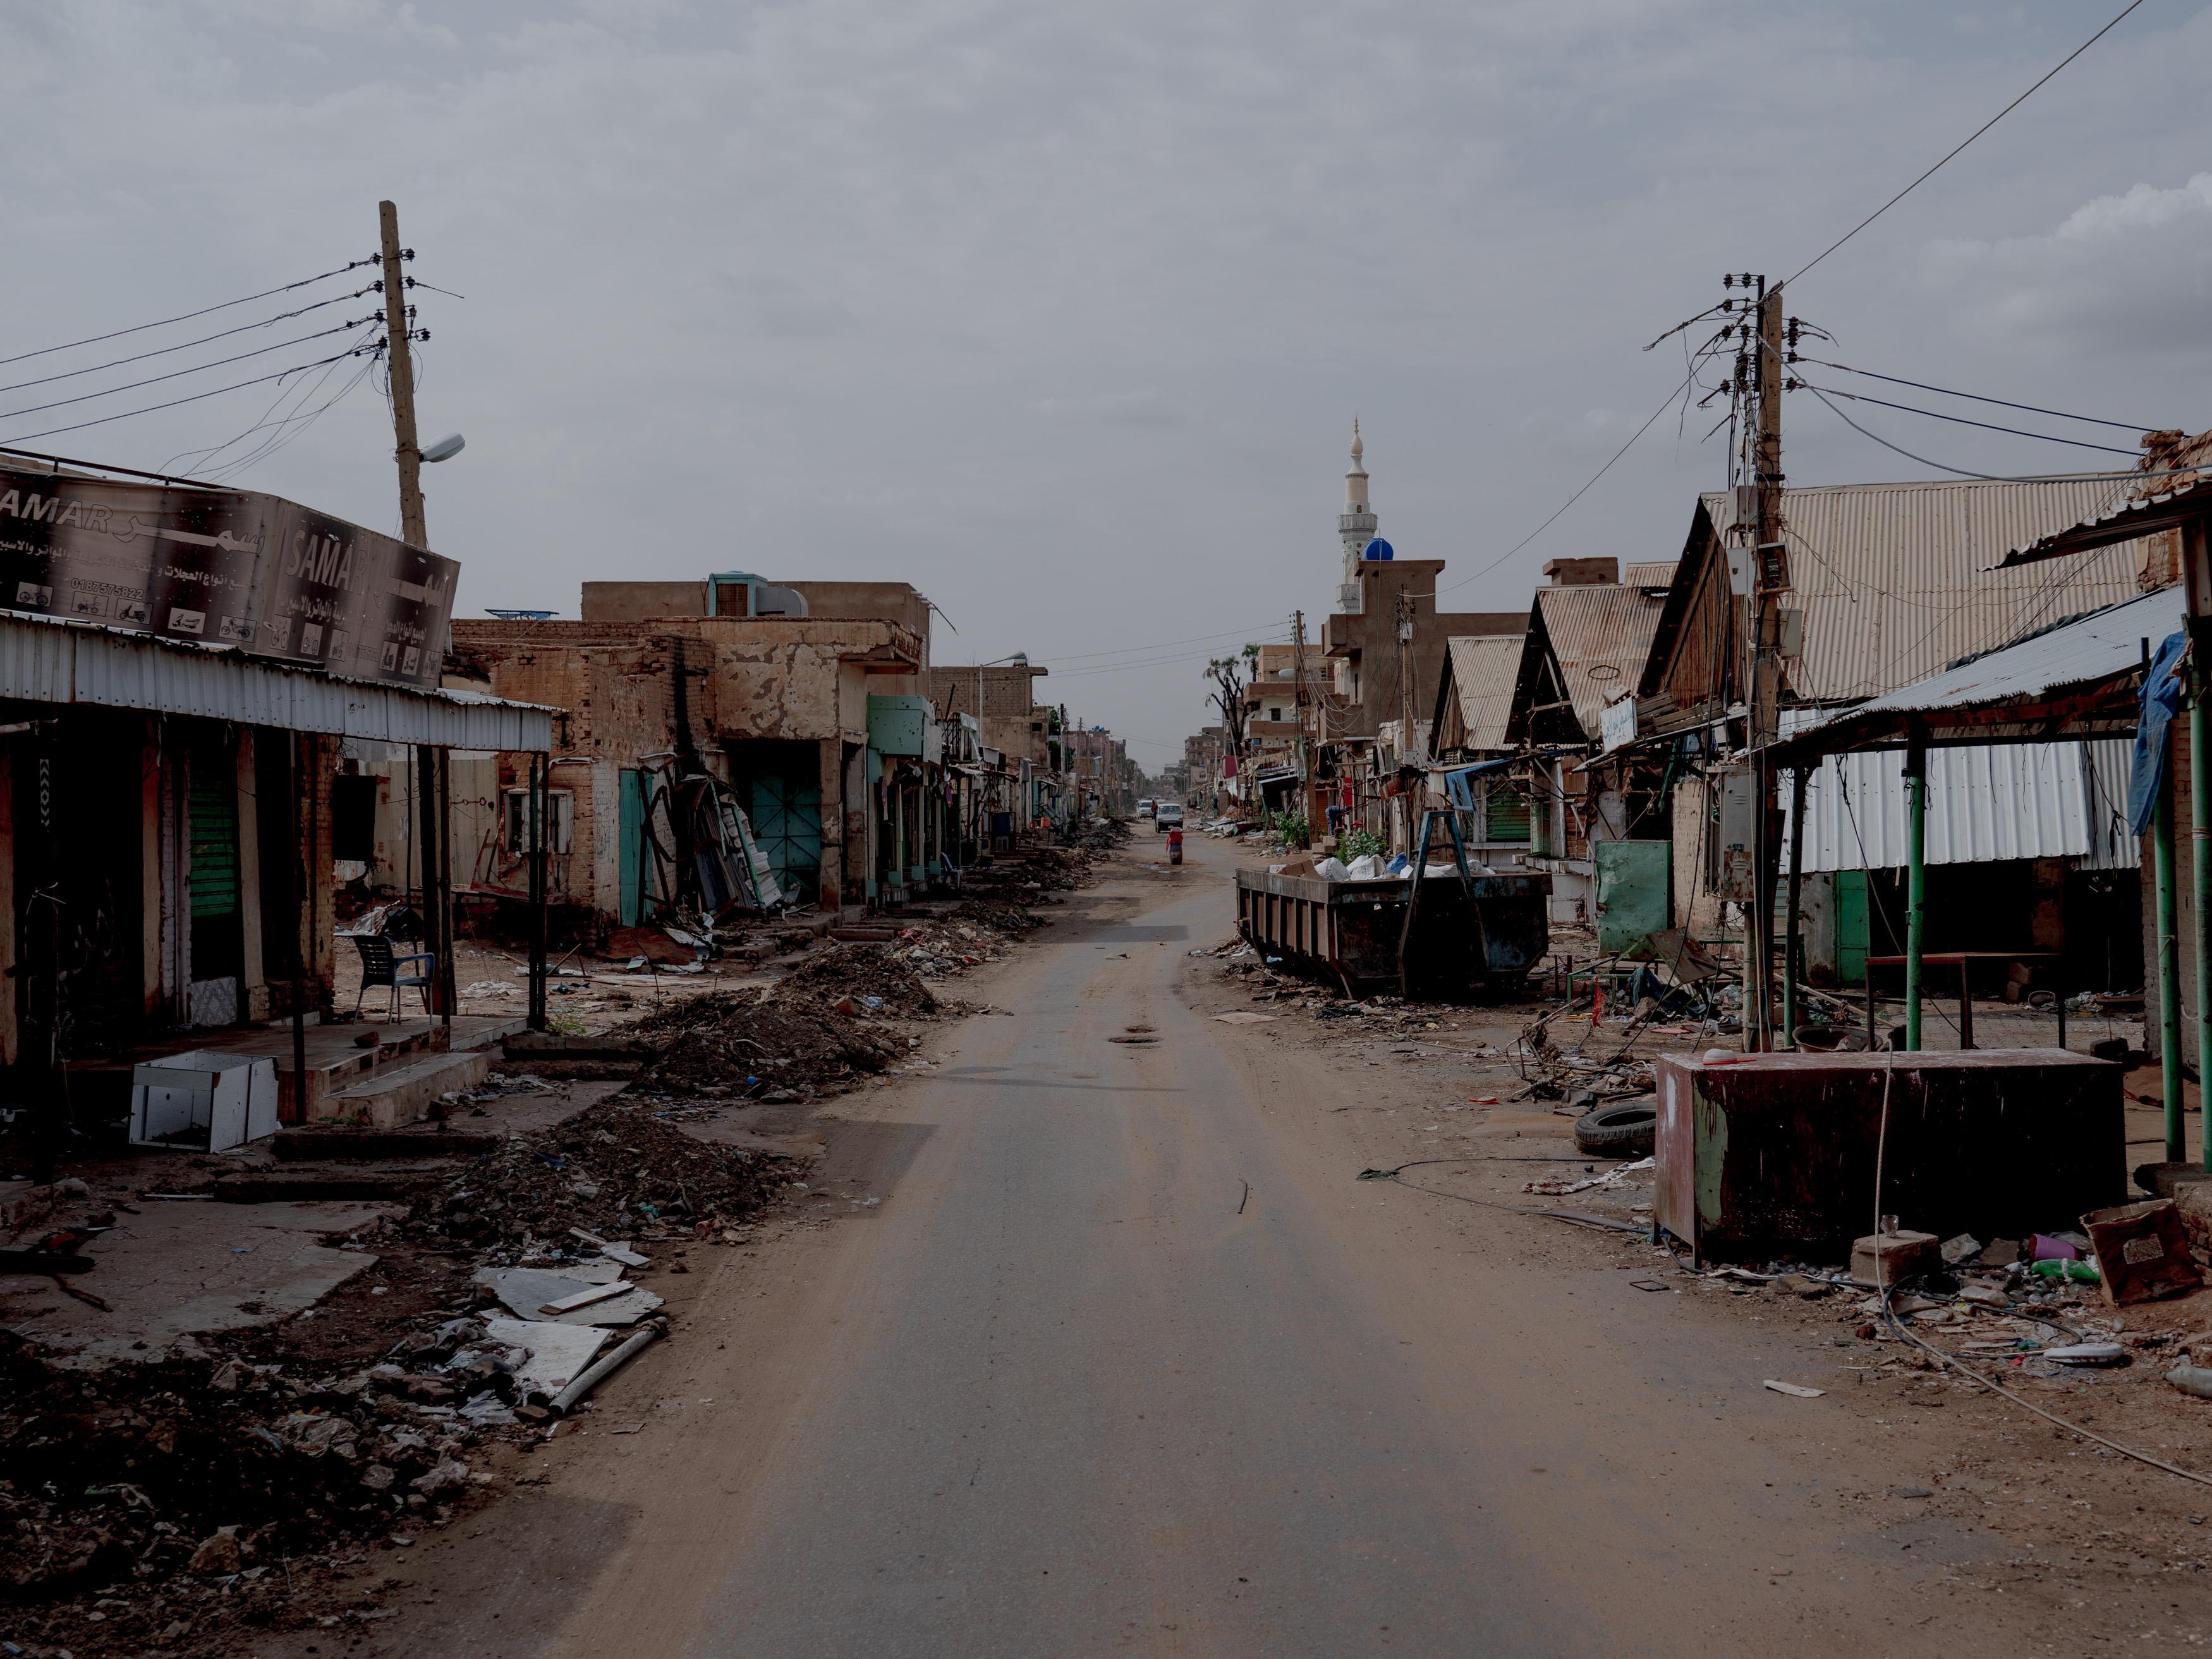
{"x":803,"y":706}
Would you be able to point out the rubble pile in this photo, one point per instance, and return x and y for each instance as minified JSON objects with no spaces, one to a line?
{"x":1003,"y":915}
{"x":744,"y":1046}
{"x":613,"y":1169}
{"x":872,"y":974}
{"x":173,"y":1486}
{"x":1105,"y":834}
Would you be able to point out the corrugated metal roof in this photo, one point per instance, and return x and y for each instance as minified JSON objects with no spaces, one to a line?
{"x":2095,"y":647}
{"x":1987,"y":803}
{"x":1896,"y":580}
{"x":1600,"y":637}
{"x":1657,"y":574}
{"x":67,"y":663}
{"x":1484,"y":667}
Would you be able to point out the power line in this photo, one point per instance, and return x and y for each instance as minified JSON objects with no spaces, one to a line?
{"x":1987,"y":477}
{"x":198,"y":396}
{"x":185,"y":317}
{"x":197,"y":368}
{"x":205,"y":340}
{"x":1579,"y":493}
{"x":1961,"y":145}
{"x":1975,"y":397}
{"x":298,"y":424}
{"x":1161,"y":662}
{"x":1960,"y":420}
{"x":1162,"y":645}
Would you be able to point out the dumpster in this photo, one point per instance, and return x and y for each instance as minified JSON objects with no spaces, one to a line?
{"x":1347,"y":932}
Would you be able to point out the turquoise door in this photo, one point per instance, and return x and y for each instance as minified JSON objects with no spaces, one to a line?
{"x":787,"y":818}
{"x":1851,"y":927}
{"x":631,"y":857}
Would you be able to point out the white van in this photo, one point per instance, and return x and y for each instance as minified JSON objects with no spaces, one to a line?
{"x":1144,"y":808}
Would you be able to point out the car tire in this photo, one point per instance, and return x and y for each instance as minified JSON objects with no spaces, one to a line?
{"x":1627,"y":1128}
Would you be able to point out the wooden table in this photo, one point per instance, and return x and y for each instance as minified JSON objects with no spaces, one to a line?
{"x":1962,"y":960}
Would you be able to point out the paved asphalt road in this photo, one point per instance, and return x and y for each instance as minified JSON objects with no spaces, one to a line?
{"x":1126,"y":1361}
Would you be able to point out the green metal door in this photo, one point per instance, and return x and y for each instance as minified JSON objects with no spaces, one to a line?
{"x":1852,"y":941}
{"x":1632,"y":878}
{"x":786,"y":817}
{"x":211,"y":817}
{"x":631,"y":801}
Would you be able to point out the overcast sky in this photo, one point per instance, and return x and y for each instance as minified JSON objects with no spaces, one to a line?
{"x":1062,"y":312}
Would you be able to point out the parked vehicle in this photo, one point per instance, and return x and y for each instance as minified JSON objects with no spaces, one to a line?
{"x":1144,"y":809}
{"x":1167,"y":815}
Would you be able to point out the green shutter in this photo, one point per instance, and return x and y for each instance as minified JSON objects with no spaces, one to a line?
{"x":213,"y":811}
{"x":1506,"y":810}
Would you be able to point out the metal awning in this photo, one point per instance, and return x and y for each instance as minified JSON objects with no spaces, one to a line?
{"x":2075,"y":680}
{"x":2140,"y":515}
{"x":68,"y":663}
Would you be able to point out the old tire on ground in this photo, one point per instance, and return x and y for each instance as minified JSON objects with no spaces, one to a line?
{"x":1624,"y":1129}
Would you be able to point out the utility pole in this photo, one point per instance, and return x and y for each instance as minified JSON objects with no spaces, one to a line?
{"x":1769,"y":574}
{"x":1407,"y":744}
{"x":1299,"y":703}
{"x":400,"y":363}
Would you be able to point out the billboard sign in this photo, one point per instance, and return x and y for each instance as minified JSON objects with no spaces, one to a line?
{"x":224,"y":568}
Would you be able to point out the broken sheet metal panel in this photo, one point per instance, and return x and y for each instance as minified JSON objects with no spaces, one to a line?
{"x":1774,"y":1154}
{"x":1348,"y":931}
{"x":1985,"y":803}
{"x":1634,"y":891}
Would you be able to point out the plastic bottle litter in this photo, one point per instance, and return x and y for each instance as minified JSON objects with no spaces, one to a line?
{"x":2078,"y":1272}
{"x":2192,"y":1379}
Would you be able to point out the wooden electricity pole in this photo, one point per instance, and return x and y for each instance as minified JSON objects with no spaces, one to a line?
{"x":401,"y":366}
{"x":1770,"y":575}
{"x":434,"y":789}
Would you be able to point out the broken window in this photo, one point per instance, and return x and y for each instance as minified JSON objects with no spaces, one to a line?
{"x":561,"y":816}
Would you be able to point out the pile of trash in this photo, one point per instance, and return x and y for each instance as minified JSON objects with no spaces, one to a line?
{"x":870,"y":975}
{"x":750,"y":1047}
{"x":220,"y":1472}
{"x":997,"y":914}
{"x":1104,"y":835}
{"x":612,"y":1169}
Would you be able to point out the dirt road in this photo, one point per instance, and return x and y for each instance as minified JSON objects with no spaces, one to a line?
{"x":1126,"y":1360}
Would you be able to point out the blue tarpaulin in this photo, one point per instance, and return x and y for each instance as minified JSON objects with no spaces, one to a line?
{"x":1458,"y":782}
{"x":2162,"y":693}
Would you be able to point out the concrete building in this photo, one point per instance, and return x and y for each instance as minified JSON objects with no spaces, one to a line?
{"x":805,"y":704}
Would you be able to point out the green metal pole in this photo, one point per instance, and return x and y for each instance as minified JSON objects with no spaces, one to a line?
{"x":1916,"y":887}
{"x":2200,"y":837}
{"x":1792,"y":948}
{"x":2169,"y":973}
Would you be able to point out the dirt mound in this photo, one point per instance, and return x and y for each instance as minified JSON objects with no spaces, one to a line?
{"x":612,"y":1170}
{"x":1001,"y":915}
{"x":740,"y":1045}
{"x":878,"y":982}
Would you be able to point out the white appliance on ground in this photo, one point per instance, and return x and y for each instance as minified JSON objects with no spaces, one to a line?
{"x":202,"y":1101}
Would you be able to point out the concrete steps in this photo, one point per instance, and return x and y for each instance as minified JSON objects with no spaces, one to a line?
{"x":397,"y":1094}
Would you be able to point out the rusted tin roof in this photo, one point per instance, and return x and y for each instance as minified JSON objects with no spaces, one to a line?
{"x":1896,"y":580}
{"x":1484,"y":667}
{"x":1599,"y":637}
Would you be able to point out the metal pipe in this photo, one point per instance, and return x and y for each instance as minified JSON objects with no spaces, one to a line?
{"x":2169,"y":973}
{"x":1916,"y":888}
{"x":2200,"y":839}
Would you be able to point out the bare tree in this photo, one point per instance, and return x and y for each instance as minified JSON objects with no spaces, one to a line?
{"x":1229,"y":674}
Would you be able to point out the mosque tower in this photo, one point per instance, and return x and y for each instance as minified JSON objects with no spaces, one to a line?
{"x":1355,"y":526}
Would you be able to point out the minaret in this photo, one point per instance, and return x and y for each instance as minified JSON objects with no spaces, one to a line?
{"x":1356,"y":524}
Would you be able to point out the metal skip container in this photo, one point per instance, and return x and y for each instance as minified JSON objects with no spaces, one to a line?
{"x":1770,"y":1155}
